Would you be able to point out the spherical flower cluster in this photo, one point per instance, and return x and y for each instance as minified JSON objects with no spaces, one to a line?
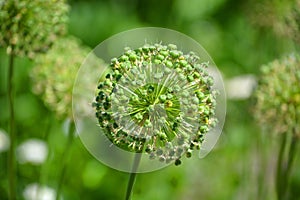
{"x":278,"y":95}
{"x":281,"y":16}
{"x":157,"y":100}
{"x":55,"y":72}
{"x":28,"y":27}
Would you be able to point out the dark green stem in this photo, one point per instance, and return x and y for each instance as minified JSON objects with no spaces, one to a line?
{"x":11,"y":153}
{"x":65,"y":159}
{"x":136,"y":162}
{"x":291,"y":158}
{"x":279,"y":177}
{"x":284,"y":166}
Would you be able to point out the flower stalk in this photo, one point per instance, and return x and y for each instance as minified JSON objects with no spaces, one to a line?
{"x":132,"y":176}
{"x":284,"y":168}
{"x":280,"y":165}
{"x":65,"y":159}
{"x":11,"y":153}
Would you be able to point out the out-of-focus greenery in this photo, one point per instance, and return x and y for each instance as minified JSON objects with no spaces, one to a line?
{"x":240,"y":166}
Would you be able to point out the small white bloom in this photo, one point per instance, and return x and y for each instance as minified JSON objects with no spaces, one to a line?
{"x":37,"y":192}
{"x":34,"y":151}
{"x":240,"y":87}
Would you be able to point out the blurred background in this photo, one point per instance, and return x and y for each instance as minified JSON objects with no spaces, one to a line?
{"x":241,"y":166}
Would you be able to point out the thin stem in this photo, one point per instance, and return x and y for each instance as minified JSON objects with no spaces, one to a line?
{"x":261,"y":152}
{"x":279,"y":177}
{"x":291,"y":158}
{"x":136,"y":162}
{"x":11,"y":153}
{"x":65,"y":157}
{"x":41,"y":174}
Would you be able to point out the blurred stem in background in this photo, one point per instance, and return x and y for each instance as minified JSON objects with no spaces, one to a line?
{"x":263,"y":163}
{"x":65,"y":158}
{"x":279,"y":170}
{"x":286,"y":158}
{"x":42,"y":171}
{"x":285,"y":162}
{"x":11,"y":155}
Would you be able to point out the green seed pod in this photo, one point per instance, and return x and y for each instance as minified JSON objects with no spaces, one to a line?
{"x":177,"y":162}
{"x":160,"y":112}
{"x":169,"y":64}
{"x":160,"y":57}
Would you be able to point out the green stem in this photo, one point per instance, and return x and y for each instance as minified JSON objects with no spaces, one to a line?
{"x":291,"y":158}
{"x":284,"y":166}
{"x":262,"y":152}
{"x":65,"y":158}
{"x":41,"y":174}
{"x":136,"y":162}
{"x":11,"y":153}
{"x":279,"y":177}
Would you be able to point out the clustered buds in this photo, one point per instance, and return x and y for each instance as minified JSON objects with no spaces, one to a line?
{"x":28,"y":27}
{"x":277,"y":106}
{"x":281,"y":16}
{"x":55,"y":72}
{"x":157,"y":100}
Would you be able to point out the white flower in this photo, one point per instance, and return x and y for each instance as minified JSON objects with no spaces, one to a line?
{"x":34,"y":151}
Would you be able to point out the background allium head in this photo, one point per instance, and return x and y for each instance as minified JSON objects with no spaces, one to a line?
{"x":278,"y":95}
{"x":30,"y":26}
{"x":55,"y":73}
{"x":157,"y":100}
{"x":281,"y":16}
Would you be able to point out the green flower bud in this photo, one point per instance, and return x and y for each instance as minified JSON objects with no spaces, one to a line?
{"x":160,"y":57}
{"x":174,"y":54}
{"x":163,"y":98}
{"x":172,"y":46}
{"x":169,"y":64}
{"x":189,"y":153}
{"x":177,"y":162}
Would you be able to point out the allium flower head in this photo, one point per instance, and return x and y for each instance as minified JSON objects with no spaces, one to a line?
{"x":278,"y":95}
{"x":55,"y":72}
{"x":281,"y":16}
{"x":157,"y":100}
{"x":27,"y":26}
